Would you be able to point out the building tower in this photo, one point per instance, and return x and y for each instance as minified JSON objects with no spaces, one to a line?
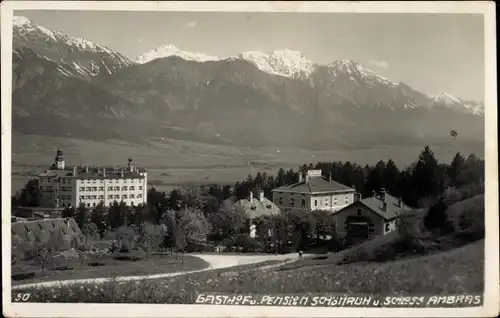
{"x":130,"y":164}
{"x":59,"y":161}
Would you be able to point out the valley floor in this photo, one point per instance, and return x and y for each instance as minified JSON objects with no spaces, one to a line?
{"x":172,"y":163}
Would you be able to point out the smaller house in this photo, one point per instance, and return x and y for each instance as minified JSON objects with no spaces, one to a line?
{"x":257,"y":207}
{"x":369,"y":217}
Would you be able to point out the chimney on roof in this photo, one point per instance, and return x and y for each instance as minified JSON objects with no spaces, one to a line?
{"x":86,"y":169}
{"x":383,"y":195}
{"x":330,"y":177}
{"x":104,"y":172}
{"x":261,"y":195}
{"x":301,"y":178}
{"x":74,"y":170}
{"x":357,"y":196}
{"x":385,"y":206}
{"x":374,"y":194}
{"x":251,"y":196}
{"x":400,"y":203}
{"x":122,"y":173}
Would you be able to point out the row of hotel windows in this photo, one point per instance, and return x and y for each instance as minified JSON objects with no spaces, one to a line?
{"x":83,"y":189}
{"x":110,"y":180}
{"x":303,"y":203}
{"x":110,"y":197}
{"x":90,"y":204}
{"x":124,"y":188}
{"x":92,"y":180}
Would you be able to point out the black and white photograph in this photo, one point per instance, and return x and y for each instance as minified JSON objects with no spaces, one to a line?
{"x":249,"y":159}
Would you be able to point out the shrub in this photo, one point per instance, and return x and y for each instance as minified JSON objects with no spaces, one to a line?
{"x":468,"y":218}
{"x":452,"y":195}
{"x":436,"y":218}
{"x":133,"y":255}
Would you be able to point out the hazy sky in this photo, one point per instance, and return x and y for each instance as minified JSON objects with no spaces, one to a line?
{"x":430,"y":52}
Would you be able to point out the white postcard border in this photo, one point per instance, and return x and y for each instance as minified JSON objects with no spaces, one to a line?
{"x":491,"y":299}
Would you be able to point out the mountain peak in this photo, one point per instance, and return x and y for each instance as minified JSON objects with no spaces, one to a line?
{"x":353,"y":68}
{"x":20,"y":21}
{"x":446,"y":98}
{"x":285,"y":62}
{"x":85,"y":56}
{"x":172,"y":50}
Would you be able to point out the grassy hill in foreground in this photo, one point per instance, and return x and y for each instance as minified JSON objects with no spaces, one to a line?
{"x":455,"y":271}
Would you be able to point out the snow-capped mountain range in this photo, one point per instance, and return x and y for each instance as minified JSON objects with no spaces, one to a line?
{"x":80,"y":57}
{"x":67,"y":85}
{"x":294,"y":64}
{"x":281,"y":77}
{"x":172,"y":50}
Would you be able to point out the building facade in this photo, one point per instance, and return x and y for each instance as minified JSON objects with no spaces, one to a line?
{"x":313,"y":192}
{"x":370,"y":217}
{"x":63,"y":186}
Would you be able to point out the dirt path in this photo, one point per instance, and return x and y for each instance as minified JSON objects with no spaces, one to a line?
{"x":215,"y":262}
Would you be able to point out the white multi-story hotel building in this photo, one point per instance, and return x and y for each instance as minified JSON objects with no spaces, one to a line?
{"x":63,"y":186}
{"x":313,"y":192}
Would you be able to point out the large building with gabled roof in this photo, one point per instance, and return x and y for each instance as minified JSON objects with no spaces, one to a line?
{"x":370,"y":217}
{"x":63,"y":186}
{"x":313,"y":192}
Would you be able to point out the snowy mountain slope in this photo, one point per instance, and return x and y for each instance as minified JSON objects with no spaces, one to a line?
{"x":83,"y":56}
{"x":285,"y":63}
{"x":447,"y":100}
{"x":171,"y":50}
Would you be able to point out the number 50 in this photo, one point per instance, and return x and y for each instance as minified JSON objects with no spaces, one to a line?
{"x":22,"y":297}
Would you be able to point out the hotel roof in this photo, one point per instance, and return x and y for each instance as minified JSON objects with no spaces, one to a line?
{"x":315,"y":184}
{"x":376,"y":204}
{"x":95,"y":173}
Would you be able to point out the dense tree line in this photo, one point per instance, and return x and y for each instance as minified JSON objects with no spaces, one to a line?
{"x":195,"y":213}
{"x":426,"y":178}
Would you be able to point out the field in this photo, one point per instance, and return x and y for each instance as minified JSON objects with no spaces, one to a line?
{"x":105,"y":266}
{"x":172,"y":163}
{"x":452,"y":272}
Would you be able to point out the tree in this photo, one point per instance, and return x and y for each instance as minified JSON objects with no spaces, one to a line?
{"x":455,"y":169}
{"x":97,"y":217}
{"x":90,"y":231}
{"x":81,"y":244}
{"x":375,"y":179}
{"x":302,"y":223}
{"x":39,"y":248}
{"x":81,"y":215}
{"x":30,"y":194}
{"x":390,"y":176}
{"x":174,"y":200}
{"x":180,"y":241}
{"x":426,"y":175}
{"x":280,"y":178}
{"x":436,"y":218}
{"x":117,"y":214}
{"x":114,"y":248}
{"x":150,"y":237}
{"x":473,"y":171}
{"x":68,"y":212}
{"x":229,"y":221}
{"x":324,"y":224}
{"x":193,"y":197}
{"x":193,"y":224}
